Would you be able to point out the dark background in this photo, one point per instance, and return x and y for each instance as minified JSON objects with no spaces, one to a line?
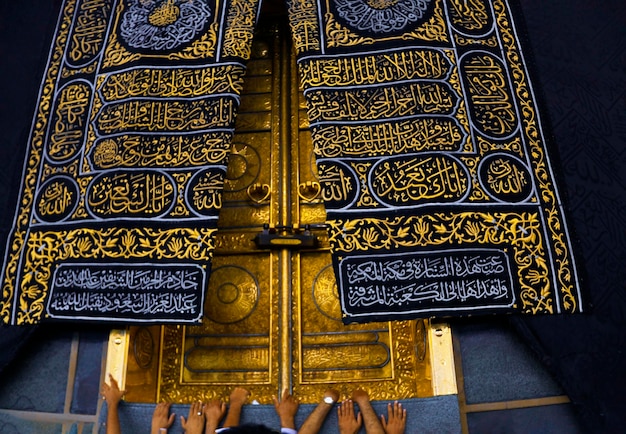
{"x":577,"y":55}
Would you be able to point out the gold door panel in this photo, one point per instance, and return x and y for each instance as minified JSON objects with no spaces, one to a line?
{"x":388,"y":359}
{"x":272,"y":317}
{"x":237,"y":341}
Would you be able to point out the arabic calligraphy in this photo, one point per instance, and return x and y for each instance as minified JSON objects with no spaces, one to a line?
{"x":490,"y":97}
{"x":162,"y":25}
{"x":413,"y":181}
{"x":383,"y":67}
{"x":388,"y":125}
{"x":239,"y":29}
{"x":57,"y":199}
{"x":472,"y":17}
{"x":438,"y":133}
{"x":204,"y":192}
{"x":429,"y":266}
{"x":505,"y":178}
{"x":191,"y":150}
{"x":88,"y":31}
{"x":450,"y":280}
{"x":173,"y":82}
{"x":69,"y":119}
{"x":121,"y":277}
{"x":166,"y":115}
{"x":339,"y":184}
{"x":381,"y":16}
{"x":303,"y":22}
{"x":105,"y":305}
{"x":131,"y":194}
{"x":380,"y":102}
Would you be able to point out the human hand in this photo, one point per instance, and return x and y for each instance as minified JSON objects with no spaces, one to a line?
{"x":348,"y":424}
{"x":239,"y":396}
{"x":286,"y":409}
{"x":161,"y":419}
{"x":195,"y":420}
{"x":214,"y":411}
{"x":112,"y":393}
{"x":396,"y":422}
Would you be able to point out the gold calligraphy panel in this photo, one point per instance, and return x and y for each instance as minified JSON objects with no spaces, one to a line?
{"x":125,"y":171}
{"x":432,"y":162}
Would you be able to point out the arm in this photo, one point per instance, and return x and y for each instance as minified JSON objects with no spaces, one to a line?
{"x":238,"y":398}
{"x":314,"y":421}
{"x":370,"y":419}
{"x":112,"y":395}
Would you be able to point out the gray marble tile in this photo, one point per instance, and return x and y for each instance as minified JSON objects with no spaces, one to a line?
{"x":551,"y":419}
{"x":39,"y":381}
{"x":497,"y":366}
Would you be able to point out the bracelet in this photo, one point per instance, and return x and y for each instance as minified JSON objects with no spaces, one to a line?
{"x":162,"y":430}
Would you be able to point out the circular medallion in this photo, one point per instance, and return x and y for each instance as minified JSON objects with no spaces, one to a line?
{"x":325,"y":293}
{"x":244,"y":165}
{"x":163,"y":25}
{"x":382,"y":17}
{"x":505,"y":178}
{"x":232,"y":295}
{"x":143,"y":347}
{"x":57,"y":199}
{"x":204,"y":192}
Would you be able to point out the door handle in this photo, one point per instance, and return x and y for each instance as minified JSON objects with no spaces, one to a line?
{"x":309,"y":191}
{"x":258,"y":192}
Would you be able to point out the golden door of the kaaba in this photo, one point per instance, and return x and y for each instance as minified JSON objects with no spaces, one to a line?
{"x":272,"y":317}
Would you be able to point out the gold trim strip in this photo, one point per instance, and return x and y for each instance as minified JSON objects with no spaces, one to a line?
{"x":442,"y":359}
{"x":520,"y":403}
{"x":117,"y":349}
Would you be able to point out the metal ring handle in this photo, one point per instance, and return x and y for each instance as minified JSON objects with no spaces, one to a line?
{"x":258,"y":192}
{"x":309,"y":191}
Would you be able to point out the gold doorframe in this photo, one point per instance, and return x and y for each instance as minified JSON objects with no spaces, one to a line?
{"x":285,"y":330}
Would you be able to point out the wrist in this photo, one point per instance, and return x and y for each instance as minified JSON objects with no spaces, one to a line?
{"x":288,"y":422}
{"x":329,"y":400}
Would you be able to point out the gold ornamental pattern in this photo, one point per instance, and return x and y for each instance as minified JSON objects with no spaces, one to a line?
{"x":564,"y":263}
{"x":47,"y":248}
{"x":132,"y":133}
{"x":339,"y":35}
{"x":521,"y":233}
{"x":422,"y":130}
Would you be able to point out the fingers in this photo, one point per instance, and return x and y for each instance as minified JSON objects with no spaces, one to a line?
{"x":183,"y":422}
{"x":239,"y":394}
{"x":171,"y":420}
{"x":196,"y":409}
{"x":396,"y":411}
{"x":113,"y":381}
{"x":346,"y":409}
{"x":162,"y":409}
